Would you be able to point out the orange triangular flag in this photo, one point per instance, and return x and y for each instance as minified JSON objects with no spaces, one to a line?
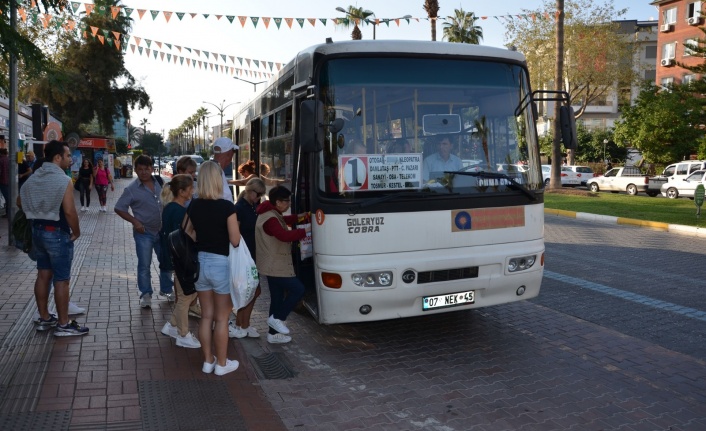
{"x":23,"y":14}
{"x":197,"y":51}
{"x":243,"y":20}
{"x":159,"y":44}
{"x":46,"y":18}
{"x":218,"y":17}
{"x":193,"y":15}
{"x":289,"y":21}
{"x":188,"y":62}
{"x":89,"y":8}
{"x":266,"y":21}
{"x":116,"y":35}
{"x":312,"y":21}
{"x":102,"y":39}
{"x":167,"y":15}
{"x":94,"y":30}
{"x":141,"y":12}
{"x":117,"y":44}
{"x":148,"y":51}
{"x":161,"y":54}
{"x":115,"y":10}
{"x":137,"y":40}
{"x":133,"y":48}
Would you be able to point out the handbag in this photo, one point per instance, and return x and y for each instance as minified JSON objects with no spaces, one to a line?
{"x":243,"y":274}
{"x":184,"y":256}
{"x":77,"y":186}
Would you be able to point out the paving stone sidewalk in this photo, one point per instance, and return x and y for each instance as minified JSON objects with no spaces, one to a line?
{"x":125,"y":374}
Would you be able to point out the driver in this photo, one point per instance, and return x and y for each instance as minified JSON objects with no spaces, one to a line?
{"x":442,"y":160}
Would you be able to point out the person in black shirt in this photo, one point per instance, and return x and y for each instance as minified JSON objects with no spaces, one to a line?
{"x":85,"y":183}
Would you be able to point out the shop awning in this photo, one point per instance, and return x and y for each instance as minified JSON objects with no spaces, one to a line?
{"x":97,"y":143}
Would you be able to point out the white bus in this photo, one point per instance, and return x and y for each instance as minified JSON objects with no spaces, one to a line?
{"x":420,"y":164}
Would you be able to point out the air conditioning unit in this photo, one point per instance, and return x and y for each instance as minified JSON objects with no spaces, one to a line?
{"x":667,"y":62}
{"x":694,"y":20}
{"x":665,"y":28}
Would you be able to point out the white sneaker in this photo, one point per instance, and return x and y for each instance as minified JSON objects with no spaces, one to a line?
{"x":170,"y":331}
{"x":236,"y":331}
{"x":208,"y":368}
{"x":252,"y":332}
{"x":277,"y":325}
{"x":146,"y":301}
{"x":229,"y":367}
{"x":188,"y":341}
{"x":83,"y":209}
{"x":278,"y":338}
{"x":75,"y":309}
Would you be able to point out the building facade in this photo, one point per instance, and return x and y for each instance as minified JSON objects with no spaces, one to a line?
{"x":680,"y":24}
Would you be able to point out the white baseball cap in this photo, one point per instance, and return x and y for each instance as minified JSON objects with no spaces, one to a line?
{"x":223,"y":145}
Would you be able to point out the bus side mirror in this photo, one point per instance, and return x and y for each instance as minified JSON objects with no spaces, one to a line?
{"x":311,"y":118}
{"x":567,"y":124}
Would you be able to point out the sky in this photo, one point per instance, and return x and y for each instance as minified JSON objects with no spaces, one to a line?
{"x":178,"y":91}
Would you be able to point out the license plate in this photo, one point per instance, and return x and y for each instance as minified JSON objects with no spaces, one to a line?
{"x":448,"y":300}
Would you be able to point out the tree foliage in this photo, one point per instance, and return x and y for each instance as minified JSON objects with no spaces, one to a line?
{"x":16,"y":41}
{"x":432,"y":9}
{"x":598,"y":56}
{"x":90,"y":79}
{"x":663,"y":125}
{"x":152,"y":144}
{"x":462,"y":28}
{"x":354,"y":16}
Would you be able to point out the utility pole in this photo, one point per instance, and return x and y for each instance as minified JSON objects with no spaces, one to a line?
{"x":220,"y":110}
{"x":555,"y":181}
{"x":12,"y":141}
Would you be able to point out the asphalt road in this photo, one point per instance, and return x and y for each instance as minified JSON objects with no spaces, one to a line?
{"x":614,"y":341}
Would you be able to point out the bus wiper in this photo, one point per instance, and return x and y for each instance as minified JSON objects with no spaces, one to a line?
{"x":483,"y":174}
{"x":394,"y":196}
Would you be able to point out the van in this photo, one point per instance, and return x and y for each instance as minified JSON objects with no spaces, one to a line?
{"x":674,"y":172}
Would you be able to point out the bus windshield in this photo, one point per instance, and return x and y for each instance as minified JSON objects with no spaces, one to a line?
{"x":426,"y":125}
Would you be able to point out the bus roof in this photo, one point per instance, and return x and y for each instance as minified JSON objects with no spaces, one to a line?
{"x":412,"y":47}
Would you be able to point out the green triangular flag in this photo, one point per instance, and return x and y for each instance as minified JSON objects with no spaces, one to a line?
{"x":205,"y":16}
{"x":240,"y":59}
{"x":155,"y":54}
{"x":278,"y":22}
{"x":128,"y":11}
{"x":180,"y":15}
{"x":149,"y":43}
{"x":154,"y":13}
{"x":169,"y":57}
{"x":139,"y":48}
{"x":109,"y":40}
{"x":323,"y":20}
{"x":223,"y":56}
{"x":182,"y":60}
{"x":254,"y":20}
{"x":126,"y":37}
{"x":301,"y":22}
{"x":230,"y":18}
{"x":257,"y":63}
{"x":169,"y":45}
{"x":186,"y":47}
{"x":75,"y":5}
{"x":106,"y":32}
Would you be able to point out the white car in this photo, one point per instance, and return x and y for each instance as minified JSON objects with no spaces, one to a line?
{"x":568,"y":176}
{"x":583,"y":173}
{"x":683,"y":187}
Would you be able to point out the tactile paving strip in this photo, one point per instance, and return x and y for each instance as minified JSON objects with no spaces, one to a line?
{"x":188,"y":405}
{"x":272,"y":366}
{"x":57,"y":420}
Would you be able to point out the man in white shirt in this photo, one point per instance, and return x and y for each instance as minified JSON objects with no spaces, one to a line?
{"x":223,"y":150}
{"x":442,"y":160}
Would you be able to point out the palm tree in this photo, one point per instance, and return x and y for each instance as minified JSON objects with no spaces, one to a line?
{"x":354,"y":15}
{"x":134,"y":135}
{"x":144,"y":122}
{"x":432,"y":8}
{"x":461,"y":28}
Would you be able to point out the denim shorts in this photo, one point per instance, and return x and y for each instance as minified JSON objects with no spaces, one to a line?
{"x":54,"y":250}
{"x":214,"y":273}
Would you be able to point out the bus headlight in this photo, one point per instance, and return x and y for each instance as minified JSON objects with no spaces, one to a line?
{"x":521,"y":263}
{"x":372,"y":279}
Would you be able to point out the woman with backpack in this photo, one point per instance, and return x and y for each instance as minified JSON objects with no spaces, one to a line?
{"x":102,"y":178}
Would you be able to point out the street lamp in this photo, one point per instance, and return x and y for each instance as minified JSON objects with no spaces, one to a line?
{"x":254,"y":84}
{"x":220,"y":110}
{"x":605,"y":142}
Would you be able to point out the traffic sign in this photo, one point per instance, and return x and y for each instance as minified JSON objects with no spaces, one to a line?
{"x":699,"y":195}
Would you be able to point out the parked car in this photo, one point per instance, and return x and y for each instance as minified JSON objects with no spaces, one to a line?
{"x":672,"y":173}
{"x":684,"y":187}
{"x":583,"y":173}
{"x":628,"y":179}
{"x":568,"y":176}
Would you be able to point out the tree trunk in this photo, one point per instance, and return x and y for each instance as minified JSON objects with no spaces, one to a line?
{"x":432,"y":21}
{"x":555,"y":181}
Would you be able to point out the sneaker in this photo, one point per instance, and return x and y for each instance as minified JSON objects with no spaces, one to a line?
{"x":236,"y":331}
{"x":252,"y":332}
{"x":278,"y":338}
{"x":229,"y":367}
{"x":146,"y":301}
{"x":277,"y":325}
{"x":208,"y":368}
{"x":83,"y":209}
{"x":75,"y":309}
{"x":188,"y":341}
{"x":169,"y":330}
{"x":44,"y":325}
{"x":195,"y":311}
{"x":168,"y":296}
{"x":71,"y":329}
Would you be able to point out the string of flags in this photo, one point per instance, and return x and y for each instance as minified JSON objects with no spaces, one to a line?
{"x":114,"y":11}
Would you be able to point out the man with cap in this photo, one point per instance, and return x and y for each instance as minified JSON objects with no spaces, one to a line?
{"x":223,"y":150}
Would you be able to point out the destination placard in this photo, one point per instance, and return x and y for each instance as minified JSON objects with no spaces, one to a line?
{"x":376,"y":172}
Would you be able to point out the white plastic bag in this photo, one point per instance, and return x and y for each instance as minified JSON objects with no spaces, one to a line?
{"x":243,"y":274}
{"x":306,"y":247}
{"x":3,"y":209}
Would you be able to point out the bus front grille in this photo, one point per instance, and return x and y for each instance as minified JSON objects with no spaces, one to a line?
{"x":447,"y":275}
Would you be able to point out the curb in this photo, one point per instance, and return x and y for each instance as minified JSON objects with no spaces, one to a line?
{"x":676,"y":228}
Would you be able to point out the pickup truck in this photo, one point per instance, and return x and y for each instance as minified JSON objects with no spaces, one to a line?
{"x":628,"y":179}
{"x":675,"y":171}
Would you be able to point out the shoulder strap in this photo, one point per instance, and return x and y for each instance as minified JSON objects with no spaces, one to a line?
{"x":158,"y":179}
